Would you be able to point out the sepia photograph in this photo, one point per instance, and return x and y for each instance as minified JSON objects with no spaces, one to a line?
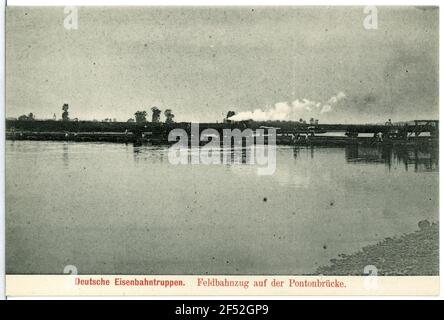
{"x":222,"y":140}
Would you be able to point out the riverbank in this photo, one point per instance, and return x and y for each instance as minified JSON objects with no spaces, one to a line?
{"x":411,"y":254}
{"x":161,"y":138}
{"x":287,"y":132}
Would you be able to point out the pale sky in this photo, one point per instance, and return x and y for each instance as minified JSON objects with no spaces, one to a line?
{"x":202,"y":62}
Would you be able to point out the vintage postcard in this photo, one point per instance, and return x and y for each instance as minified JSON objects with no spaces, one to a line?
{"x":222,"y":150}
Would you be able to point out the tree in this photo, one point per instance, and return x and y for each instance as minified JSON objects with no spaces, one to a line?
{"x":156,"y":114}
{"x":140,"y":116}
{"x":169,"y":116}
{"x":28,"y":117}
{"x":65,"y":115}
{"x":130,"y":120}
{"x":230,"y":114}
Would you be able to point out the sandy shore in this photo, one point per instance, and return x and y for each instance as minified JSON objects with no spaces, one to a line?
{"x":411,"y":254}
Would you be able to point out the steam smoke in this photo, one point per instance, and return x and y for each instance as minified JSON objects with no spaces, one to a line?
{"x":295,"y":110}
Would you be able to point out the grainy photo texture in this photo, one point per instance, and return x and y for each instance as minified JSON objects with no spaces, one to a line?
{"x":222,"y":140}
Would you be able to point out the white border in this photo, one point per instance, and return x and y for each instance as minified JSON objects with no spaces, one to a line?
{"x":199,"y":3}
{"x":2,"y":156}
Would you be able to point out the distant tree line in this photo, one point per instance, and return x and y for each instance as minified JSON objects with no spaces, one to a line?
{"x":141,"y":116}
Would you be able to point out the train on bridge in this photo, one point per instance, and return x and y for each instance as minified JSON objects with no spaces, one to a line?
{"x":287,"y":132}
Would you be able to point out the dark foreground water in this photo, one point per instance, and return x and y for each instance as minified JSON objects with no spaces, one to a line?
{"x":120,"y":209}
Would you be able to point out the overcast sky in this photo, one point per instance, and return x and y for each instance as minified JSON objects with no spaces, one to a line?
{"x":202,"y":62}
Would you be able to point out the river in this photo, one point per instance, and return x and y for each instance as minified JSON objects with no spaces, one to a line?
{"x":120,"y":209}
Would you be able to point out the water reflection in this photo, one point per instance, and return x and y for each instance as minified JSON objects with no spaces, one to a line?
{"x":420,"y":158}
{"x":195,"y":218}
{"x":65,"y":154}
{"x":150,"y":153}
{"x":231,"y":155}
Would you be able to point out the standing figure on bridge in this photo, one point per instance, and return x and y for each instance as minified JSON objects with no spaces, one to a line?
{"x":379,"y":136}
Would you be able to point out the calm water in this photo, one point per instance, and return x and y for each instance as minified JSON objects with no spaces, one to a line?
{"x":116,"y":208}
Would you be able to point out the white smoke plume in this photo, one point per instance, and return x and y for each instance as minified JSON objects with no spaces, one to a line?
{"x":293,"y":111}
